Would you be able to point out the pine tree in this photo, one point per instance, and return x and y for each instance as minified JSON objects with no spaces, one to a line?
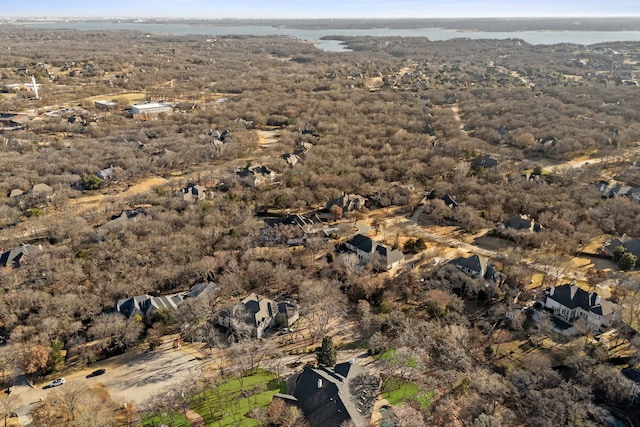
{"x":327,"y":353}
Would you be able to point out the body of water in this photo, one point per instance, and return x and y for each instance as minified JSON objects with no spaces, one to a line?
{"x":314,"y":36}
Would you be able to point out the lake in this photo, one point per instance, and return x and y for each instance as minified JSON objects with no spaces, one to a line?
{"x":315,"y":35}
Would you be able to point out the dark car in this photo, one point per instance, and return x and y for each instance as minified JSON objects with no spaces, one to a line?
{"x":96,"y":373}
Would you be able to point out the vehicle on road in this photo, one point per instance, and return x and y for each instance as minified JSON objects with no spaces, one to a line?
{"x":286,"y":331}
{"x":56,"y":382}
{"x":96,"y":373}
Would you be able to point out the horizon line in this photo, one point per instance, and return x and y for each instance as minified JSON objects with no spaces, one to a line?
{"x":409,"y":18}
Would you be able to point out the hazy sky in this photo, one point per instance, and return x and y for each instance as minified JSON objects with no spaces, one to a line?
{"x":318,"y":9}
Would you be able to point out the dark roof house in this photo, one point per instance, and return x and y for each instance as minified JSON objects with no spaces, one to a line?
{"x":570,"y":302}
{"x":193,"y":192}
{"x":484,"y":161}
{"x":333,"y":396}
{"x":629,"y":245}
{"x":521,"y":223}
{"x":17,"y":256}
{"x":370,"y":251}
{"x":478,"y":266}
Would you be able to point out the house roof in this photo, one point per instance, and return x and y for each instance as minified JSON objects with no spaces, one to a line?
{"x":632,"y":245}
{"x":362,"y":242}
{"x":521,"y":222}
{"x":259,"y":307}
{"x":370,"y":246}
{"x":15,"y":257}
{"x":145,"y":304}
{"x":325,"y":397}
{"x":449,"y":201}
{"x":474,"y":263}
{"x":484,"y":161}
{"x":572,"y":296}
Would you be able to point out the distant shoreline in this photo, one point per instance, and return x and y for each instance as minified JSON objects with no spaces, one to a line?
{"x":469,"y":24}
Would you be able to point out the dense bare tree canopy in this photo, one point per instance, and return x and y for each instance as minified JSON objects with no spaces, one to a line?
{"x":271,"y":126}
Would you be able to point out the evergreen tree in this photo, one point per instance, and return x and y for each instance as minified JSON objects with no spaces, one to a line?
{"x":327,"y":353}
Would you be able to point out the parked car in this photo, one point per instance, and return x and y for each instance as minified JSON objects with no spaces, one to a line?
{"x":96,"y":373}
{"x":286,"y":331}
{"x":56,"y":382}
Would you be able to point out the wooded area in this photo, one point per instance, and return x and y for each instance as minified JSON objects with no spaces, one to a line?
{"x":394,"y":120}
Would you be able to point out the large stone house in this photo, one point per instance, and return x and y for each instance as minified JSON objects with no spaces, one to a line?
{"x":257,"y":314}
{"x":570,"y":303}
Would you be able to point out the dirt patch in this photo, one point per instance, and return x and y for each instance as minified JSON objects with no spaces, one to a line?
{"x":267,"y":137}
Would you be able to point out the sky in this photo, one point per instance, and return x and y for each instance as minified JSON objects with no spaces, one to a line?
{"x":291,"y":9}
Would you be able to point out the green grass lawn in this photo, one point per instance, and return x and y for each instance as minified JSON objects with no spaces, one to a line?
{"x":397,"y":391}
{"x":228,"y":403}
{"x":176,"y":420}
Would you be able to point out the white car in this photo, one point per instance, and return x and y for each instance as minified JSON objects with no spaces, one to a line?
{"x":56,"y":382}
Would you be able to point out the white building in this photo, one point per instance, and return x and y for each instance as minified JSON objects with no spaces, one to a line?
{"x":151,"y":108}
{"x":570,"y":303}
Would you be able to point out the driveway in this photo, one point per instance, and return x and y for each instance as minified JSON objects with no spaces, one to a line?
{"x":131,"y":377}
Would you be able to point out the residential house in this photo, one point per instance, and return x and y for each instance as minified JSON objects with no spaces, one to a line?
{"x":484,"y":161}
{"x":291,"y":159}
{"x":18,"y":256}
{"x":348,"y":202}
{"x":520,"y":223}
{"x":629,"y":245}
{"x":258,"y":313}
{"x":145,"y":305}
{"x":106,"y":105}
{"x":128,"y":216}
{"x":13,"y":121}
{"x":450,"y":201}
{"x":478,"y":266}
{"x":107,"y":173}
{"x":334,"y":396}
{"x":293,"y":229}
{"x":255,"y":176}
{"x":193,"y":192}
{"x":570,"y":303}
{"x":371,"y":251}
{"x":614,"y":191}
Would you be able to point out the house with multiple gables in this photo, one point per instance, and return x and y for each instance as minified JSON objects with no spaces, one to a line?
{"x":292,"y":230}
{"x":259,"y":314}
{"x":521,"y":224}
{"x":18,"y":256}
{"x":611,"y":191}
{"x":347,"y":202}
{"x":372,"y":252}
{"x":342,"y":395}
{"x":570,"y":302}
{"x":478,"y":266}
{"x":629,"y":244}
{"x":193,"y":192}
{"x":145,"y":305}
{"x":256,"y":175}
{"x":484,"y":161}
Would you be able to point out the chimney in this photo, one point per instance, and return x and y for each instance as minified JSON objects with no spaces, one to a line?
{"x":319,"y":382}
{"x":597,"y":299}
{"x":352,"y":361}
{"x":552,"y":290}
